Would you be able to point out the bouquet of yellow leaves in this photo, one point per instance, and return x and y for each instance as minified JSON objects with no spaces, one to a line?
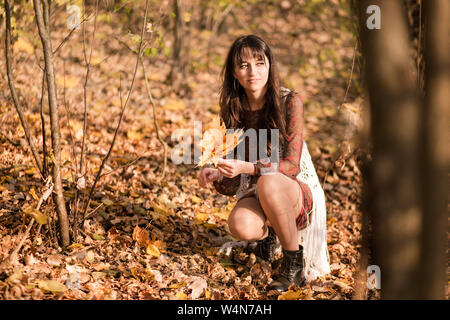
{"x":216,"y":143}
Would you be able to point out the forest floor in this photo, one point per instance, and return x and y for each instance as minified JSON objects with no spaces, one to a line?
{"x":152,"y":239}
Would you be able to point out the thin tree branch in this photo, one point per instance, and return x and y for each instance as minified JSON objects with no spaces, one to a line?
{"x":15,"y":99}
{"x":44,"y":144}
{"x":86,"y":79}
{"x":147,"y":87}
{"x":121,"y":115}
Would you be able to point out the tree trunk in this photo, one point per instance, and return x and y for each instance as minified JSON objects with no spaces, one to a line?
{"x":434,"y":153}
{"x":178,"y":61}
{"x":394,"y":186}
{"x":58,"y":196}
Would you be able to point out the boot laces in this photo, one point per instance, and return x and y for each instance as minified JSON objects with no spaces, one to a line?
{"x":290,"y":265}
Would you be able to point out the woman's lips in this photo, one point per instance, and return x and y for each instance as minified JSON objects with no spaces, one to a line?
{"x":253,"y":80}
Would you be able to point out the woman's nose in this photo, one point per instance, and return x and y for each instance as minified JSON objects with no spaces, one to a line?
{"x":252,"y":69}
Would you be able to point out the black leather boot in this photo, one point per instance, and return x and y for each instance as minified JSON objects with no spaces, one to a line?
{"x":290,"y":271}
{"x":265,"y":248}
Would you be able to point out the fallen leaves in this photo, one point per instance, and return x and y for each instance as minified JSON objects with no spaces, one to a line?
{"x":152,"y":248}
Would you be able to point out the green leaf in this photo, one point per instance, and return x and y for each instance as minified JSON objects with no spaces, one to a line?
{"x":37,"y":215}
{"x":96,"y":236}
{"x":51,"y":286}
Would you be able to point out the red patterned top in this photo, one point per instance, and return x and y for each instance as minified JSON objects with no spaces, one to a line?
{"x":289,"y":160}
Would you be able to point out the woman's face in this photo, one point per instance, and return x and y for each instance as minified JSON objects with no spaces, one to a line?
{"x":253,"y":73}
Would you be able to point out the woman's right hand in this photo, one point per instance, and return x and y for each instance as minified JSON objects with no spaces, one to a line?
{"x":208,"y":175}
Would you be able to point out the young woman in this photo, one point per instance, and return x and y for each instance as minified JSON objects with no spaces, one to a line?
{"x":275,"y":199}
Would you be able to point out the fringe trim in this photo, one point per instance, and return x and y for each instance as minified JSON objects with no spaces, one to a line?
{"x":313,"y":238}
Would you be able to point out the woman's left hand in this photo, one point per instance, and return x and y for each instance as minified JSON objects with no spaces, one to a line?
{"x":231,"y":167}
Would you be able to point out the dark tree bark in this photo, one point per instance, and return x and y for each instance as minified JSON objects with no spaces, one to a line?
{"x":179,"y":54}
{"x":434,"y":153}
{"x":58,"y":196}
{"x":394,"y":179}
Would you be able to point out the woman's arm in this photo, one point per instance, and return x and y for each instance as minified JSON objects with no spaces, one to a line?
{"x":289,"y":162}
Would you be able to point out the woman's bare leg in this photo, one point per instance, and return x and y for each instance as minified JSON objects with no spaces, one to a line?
{"x":281,"y":199}
{"x":247,"y":220}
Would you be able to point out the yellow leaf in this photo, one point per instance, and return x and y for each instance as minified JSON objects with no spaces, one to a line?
{"x":51,"y":286}
{"x":74,"y":246}
{"x":30,"y":171}
{"x":135,"y":273}
{"x":201,"y":218}
{"x":33,"y":194}
{"x":196,"y":199}
{"x":291,"y":295}
{"x":152,"y":250}
{"x":134,"y":194}
{"x":36,"y":215}
{"x":181,"y":296}
{"x":222,"y":214}
{"x":207,"y":294}
{"x":177,"y":285}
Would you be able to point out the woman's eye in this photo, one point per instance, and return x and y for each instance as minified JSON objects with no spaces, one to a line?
{"x":244,"y":66}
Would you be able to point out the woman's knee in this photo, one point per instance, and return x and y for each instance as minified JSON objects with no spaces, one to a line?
{"x":275,"y":189}
{"x":270,"y":187}
{"x":245,"y":226}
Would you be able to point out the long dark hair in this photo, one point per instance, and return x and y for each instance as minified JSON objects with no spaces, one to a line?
{"x":232,"y":94}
